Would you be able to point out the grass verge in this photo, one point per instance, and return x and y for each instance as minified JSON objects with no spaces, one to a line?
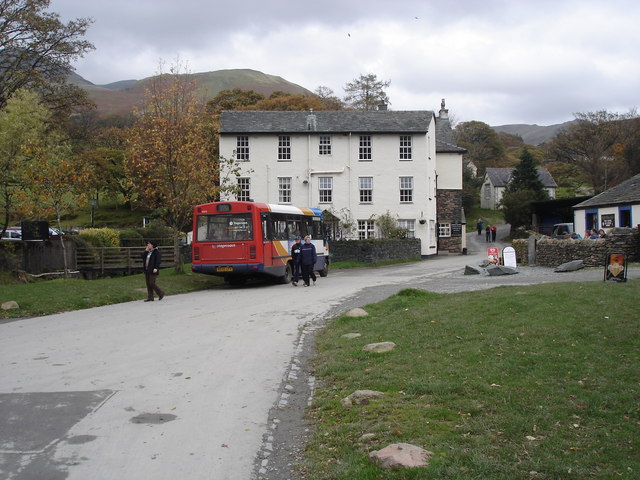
{"x":52,"y":296}
{"x":539,"y":382}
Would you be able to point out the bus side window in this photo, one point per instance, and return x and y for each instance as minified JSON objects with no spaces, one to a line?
{"x":317,"y":228}
{"x":279,"y":225}
{"x":266,"y":235}
{"x":293,"y":224}
{"x":307,"y":226}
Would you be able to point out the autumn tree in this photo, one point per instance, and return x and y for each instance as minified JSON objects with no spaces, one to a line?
{"x":58,"y":182}
{"x":37,"y":49}
{"x":41,"y":178}
{"x":281,"y":101}
{"x":169,"y":155}
{"x":591,"y":144}
{"x":366,"y":92}
{"x":233,"y":99}
{"x":328,"y":98}
{"x":23,"y":124}
{"x":483,"y":145}
{"x":105,"y":157}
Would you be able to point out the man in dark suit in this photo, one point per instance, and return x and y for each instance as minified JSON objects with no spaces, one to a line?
{"x":151,"y":264}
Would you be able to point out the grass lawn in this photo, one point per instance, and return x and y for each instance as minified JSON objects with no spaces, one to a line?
{"x":51,"y":296}
{"x":532,"y":383}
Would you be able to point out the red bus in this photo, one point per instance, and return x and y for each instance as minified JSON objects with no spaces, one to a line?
{"x":240,"y":240}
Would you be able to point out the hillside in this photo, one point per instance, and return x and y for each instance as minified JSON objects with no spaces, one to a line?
{"x":533,"y":134}
{"x":118,"y":98}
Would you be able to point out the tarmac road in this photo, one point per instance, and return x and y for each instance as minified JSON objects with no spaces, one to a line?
{"x":207,"y":385}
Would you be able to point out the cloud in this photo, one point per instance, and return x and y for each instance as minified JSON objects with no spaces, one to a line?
{"x":496,"y":61}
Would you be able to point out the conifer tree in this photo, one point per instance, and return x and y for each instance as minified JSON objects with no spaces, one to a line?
{"x":525,"y":176}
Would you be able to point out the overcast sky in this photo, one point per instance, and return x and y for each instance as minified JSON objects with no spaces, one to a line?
{"x":496,"y":61}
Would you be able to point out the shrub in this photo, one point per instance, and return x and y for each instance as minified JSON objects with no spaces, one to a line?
{"x":131,"y":238}
{"x":101,"y":237}
{"x":161,"y":234}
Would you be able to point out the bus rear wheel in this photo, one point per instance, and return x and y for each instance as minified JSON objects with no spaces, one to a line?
{"x":288,"y":275}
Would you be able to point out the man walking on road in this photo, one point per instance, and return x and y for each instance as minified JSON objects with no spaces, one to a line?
{"x":151,"y":264}
{"x":308,"y":258}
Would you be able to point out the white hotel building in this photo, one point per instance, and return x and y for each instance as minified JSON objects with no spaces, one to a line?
{"x":355,"y":164}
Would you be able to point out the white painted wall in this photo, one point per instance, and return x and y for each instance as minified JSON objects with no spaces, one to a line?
{"x":343,"y":165}
{"x":449,"y":168}
{"x":579,"y":217}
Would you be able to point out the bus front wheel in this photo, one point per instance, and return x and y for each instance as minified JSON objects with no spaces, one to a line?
{"x":325,"y":271}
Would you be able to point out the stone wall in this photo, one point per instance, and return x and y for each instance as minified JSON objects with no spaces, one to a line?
{"x":373,"y":251}
{"x":449,"y":211}
{"x":551,"y":252}
{"x":38,"y":257}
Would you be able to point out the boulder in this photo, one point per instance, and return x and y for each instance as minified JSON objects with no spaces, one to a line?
{"x":356,"y":312}
{"x":360,"y":397}
{"x":473,"y":270}
{"x":398,"y":455}
{"x":496,"y":270}
{"x":351,"y":335}
{"x":367,"y":437}
{"x":10,"y":305}
{"x":381,"y":347}
{"x":571,"y":266}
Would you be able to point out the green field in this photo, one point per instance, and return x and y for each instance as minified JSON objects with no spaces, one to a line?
{"x":539,"y":382}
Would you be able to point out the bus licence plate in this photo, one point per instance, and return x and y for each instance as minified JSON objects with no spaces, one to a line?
{"x":224,"y":269}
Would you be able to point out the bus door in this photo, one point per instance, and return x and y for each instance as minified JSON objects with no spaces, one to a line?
{"x":267,"y":253}
{"x":279,"y":244}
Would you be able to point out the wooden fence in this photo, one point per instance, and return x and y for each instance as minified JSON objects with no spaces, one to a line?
{"x":117,"y":259}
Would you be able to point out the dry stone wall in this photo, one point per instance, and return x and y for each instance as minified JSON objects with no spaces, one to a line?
{"x":373,"y":251}
{"x":551,"y":252}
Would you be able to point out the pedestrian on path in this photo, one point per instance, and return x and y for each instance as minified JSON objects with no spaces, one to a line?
{"x":308,"y":258}
{"x":494,"y":233}
{"x":479,"y":226}
{"x":295,"y":261}
{"x":488,"y":233}
{"x":151,"y":258}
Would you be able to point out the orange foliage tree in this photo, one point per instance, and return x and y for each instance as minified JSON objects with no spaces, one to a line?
{"x":171,"y":151}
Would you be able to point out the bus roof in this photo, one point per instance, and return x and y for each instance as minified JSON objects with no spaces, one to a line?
{"x":276,"y":208}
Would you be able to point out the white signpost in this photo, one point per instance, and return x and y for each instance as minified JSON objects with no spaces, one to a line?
{"x":509,"y":257}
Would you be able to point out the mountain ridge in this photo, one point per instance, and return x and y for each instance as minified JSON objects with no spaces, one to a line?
{"x":533,"y":134}
{"x":119,"y":98}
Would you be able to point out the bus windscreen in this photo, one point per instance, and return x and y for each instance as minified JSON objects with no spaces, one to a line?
{"x":224,"y":227}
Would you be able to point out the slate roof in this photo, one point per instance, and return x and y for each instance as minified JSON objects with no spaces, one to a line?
{"x":445,"y":143}
{"x":499,"y":177}
{"x":625,"y":193}
{"x":326,"y":121}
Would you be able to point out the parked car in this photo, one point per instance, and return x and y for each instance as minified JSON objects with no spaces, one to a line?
{"x":562,"y":230}
{"x":13,"y":234}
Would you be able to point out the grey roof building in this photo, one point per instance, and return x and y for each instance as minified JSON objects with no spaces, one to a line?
{"x":617,"y":207}
{"x":497,"y":179}
{"x":325,"y":121}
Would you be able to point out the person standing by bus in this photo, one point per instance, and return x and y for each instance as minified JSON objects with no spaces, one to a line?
{"x":295,"y":260}
{"x":308,"y":259}
{"x":151,"y":264}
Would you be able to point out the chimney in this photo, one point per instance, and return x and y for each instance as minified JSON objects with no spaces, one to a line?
{"x":382,"y":107}
{"x":311,"y":121}
{"x":443,"y":113}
